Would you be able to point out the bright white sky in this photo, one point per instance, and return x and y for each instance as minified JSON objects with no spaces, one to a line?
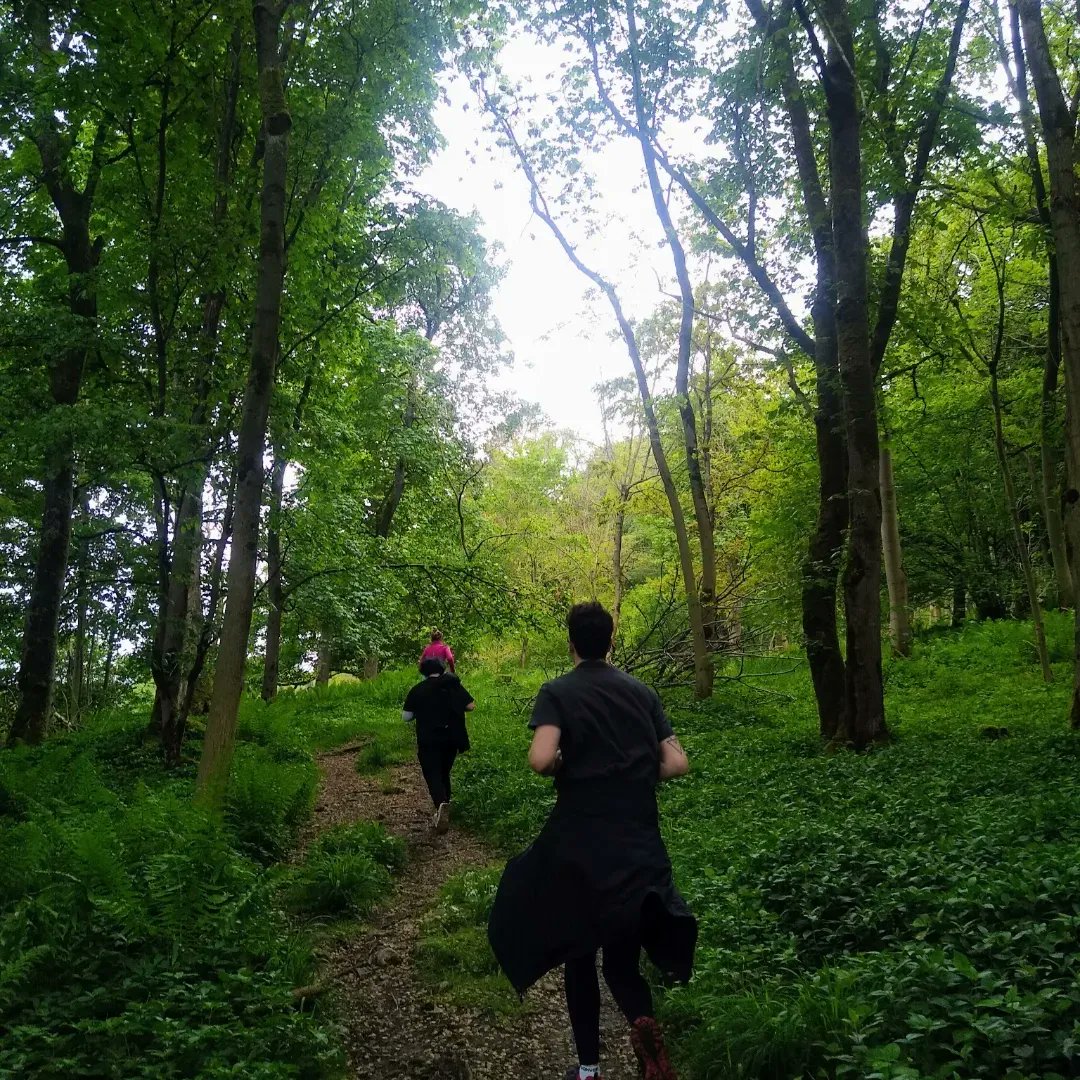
{"x":559,"y":333}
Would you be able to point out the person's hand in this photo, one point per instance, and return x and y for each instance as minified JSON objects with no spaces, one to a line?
{"x":556,"y":765}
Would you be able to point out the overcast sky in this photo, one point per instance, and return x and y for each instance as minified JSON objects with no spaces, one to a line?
{"x":561,"y":337}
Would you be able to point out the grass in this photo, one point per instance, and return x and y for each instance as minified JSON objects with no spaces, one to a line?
{"x":908,"y":913}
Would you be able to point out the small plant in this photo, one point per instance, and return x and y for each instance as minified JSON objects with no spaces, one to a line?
{"x":347,"y":871}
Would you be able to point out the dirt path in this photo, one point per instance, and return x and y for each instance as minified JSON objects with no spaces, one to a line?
{"x":394,"y":1026}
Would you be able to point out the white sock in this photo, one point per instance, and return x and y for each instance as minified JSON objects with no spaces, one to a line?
{"x":588,"y":1072}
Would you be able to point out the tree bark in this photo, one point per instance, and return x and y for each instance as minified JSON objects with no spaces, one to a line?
{"x":216,"y":759}
{"x":703,"y":672}
{"x":862,"y":572}
{"x":1059,"y":135}
{"x":1049,"y":449}
{"x":172,"y":656}
{"x":959,"y":603}
{"x":384,"y":520}
{"x":1014,"y":519}
{"x":39,"y":643}
{"x":895,"y":574}
{"x":275,"y":592}
{"x":324,"y":661}
{"x":617,"y":562}
{"x":698,"y":494}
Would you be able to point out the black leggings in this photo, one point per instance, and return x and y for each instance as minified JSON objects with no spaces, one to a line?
{"x":436,"y":761}
{"x":622,"y":972}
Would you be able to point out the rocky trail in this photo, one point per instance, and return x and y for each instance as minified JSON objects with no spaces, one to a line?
{"x":395,"y":1024}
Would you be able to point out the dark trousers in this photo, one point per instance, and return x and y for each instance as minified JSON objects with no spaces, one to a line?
{"x":436,"y":761}
{"x":622,"y":972}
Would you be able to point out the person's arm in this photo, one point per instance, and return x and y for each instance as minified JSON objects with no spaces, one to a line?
{"x":673,"y":759}
{"x":408,"y":710}
{"x":545,"y":757}
{"x":470,"y":706}
{"x":450,"y":660}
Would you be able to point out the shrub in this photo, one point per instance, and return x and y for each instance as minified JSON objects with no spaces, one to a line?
{"x":347,"y":871}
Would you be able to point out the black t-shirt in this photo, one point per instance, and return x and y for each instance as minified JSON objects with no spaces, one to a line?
{"x":612,"y":724}
{"x":438,"y":704}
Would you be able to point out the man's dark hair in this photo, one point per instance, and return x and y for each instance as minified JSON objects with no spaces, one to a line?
{"x":590,"y":627}
{"x":431,"y":666}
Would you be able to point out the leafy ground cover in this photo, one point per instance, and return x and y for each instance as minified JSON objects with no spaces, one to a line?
{"x":138,"y":938}
{"x":908,"y":913}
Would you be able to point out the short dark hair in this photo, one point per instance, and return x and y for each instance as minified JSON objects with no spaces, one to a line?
{"x":591,"y":628}
{"x":431,"y":666}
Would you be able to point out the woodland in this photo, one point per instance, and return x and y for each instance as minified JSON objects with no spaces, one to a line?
{"x":257,"y":443}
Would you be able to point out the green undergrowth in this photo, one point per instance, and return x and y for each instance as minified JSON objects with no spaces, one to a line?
{"x":140,"y":938}
{"x":453,"y":956}
{"x":347,"y":871}
{"x":908,"y":913}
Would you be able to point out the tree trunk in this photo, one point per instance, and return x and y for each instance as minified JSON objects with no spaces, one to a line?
{"x":617,"y":562}
{"x":220,"y":737}
{"x":1014,"y":519}
{"x":205,"y":630}
{"x":699,"y":496}
{"x":1049,"y":489}
{"x":1059,"y":135}
{"x":385,"y":517}
{"x":371,"y":667}
{"x":323,"y":661}
{"x":703,"y":672}
{"x":176,"y":643}
{"x":862,"y":572}
{"x":275,"y":593}
{"x":959,"y":603}
{"x":895,"y":574}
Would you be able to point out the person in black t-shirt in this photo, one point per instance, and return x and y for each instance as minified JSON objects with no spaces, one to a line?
{"x":598,"y":877}
{"x":438,"y":705}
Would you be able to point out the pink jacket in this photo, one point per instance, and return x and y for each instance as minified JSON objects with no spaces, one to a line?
{"x":438,"y":650}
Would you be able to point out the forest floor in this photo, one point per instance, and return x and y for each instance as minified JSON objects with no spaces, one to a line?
{"x":396,"y":1023}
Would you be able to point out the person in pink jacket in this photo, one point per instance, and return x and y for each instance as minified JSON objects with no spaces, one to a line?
{"x":438,"y":650}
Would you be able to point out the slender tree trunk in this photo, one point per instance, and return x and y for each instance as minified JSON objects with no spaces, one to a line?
{"x":39,"y":644}
{"x":178,"y":633}
{"x":275,"y":591}
{"x":323,"y":661}
{"x":1059,"y":134}
{"x":385,"y":517}
{"x":1049,"y":488}
{"x":617,"y":562}
{"x":1050,"y":492}
{"x":703,"y":671}
{"x":1017,"y":528}
{"x":218,"y":745}
{"x":862,"y":572}
{"x":702,"y":513}
{"x":371,"y":667}
{"x":895,"y":574}
{"x":206,"y":633}
{"x":959,"y":603}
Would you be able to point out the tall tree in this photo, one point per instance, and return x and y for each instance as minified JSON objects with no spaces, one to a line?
{"x":1058,"y":115}
{"x":71,"y":153}
{"x":251,"y":443}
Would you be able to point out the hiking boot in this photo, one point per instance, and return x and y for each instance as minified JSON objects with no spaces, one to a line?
{"x":442,"y":818}
{"x":648,"y":1042}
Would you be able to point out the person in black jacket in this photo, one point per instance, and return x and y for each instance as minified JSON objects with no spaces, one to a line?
{"x":598,"y":877}
{"x":438,"y":705}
